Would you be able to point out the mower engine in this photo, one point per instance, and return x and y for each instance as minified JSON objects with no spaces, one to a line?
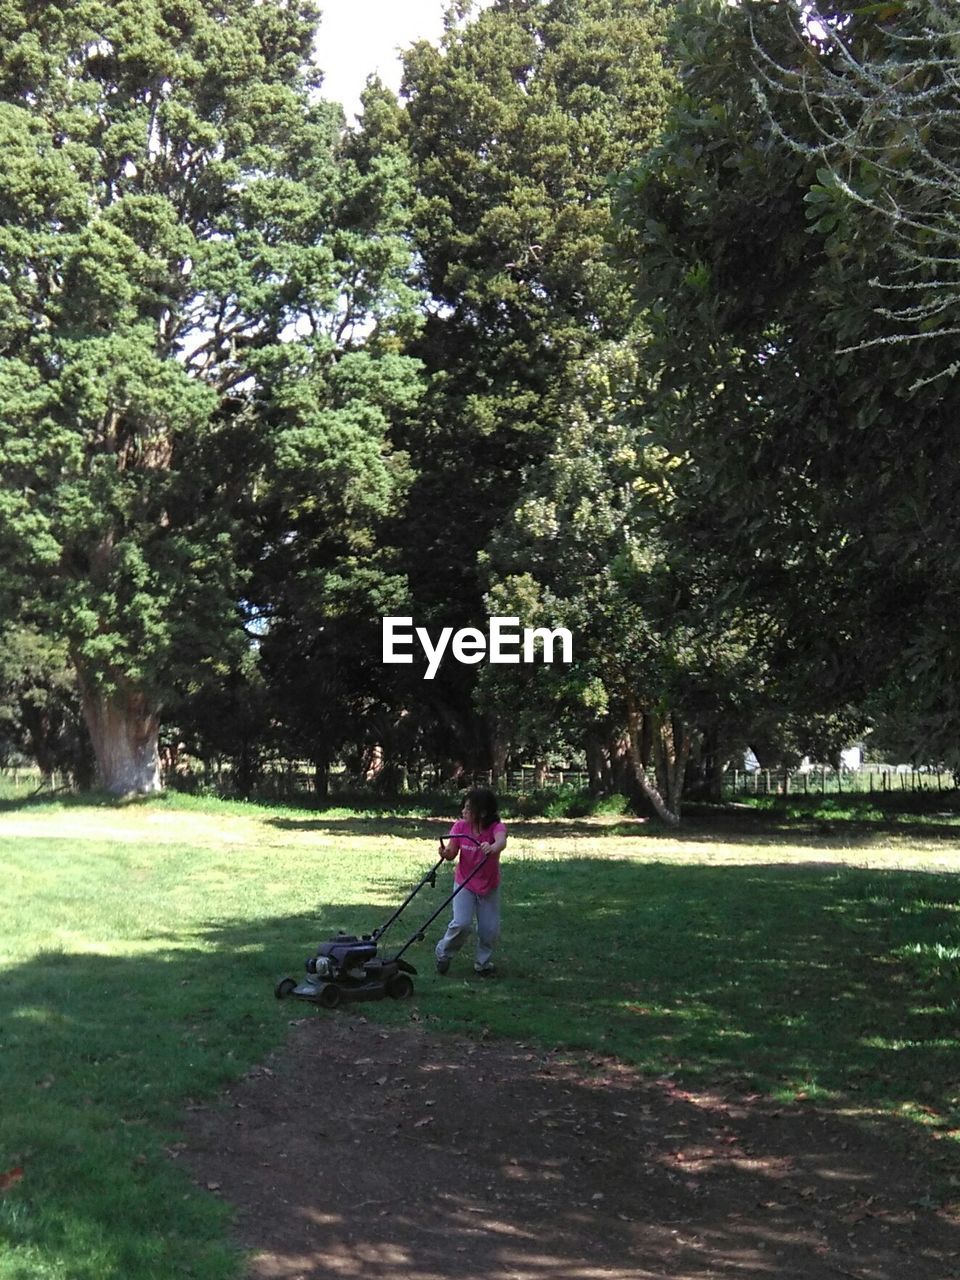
{"x":344,"y":956}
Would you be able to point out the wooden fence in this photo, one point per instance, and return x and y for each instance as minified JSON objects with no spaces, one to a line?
{"x":277,"y":782}
{"x":824,"y":780}
{"x":282,"y":780}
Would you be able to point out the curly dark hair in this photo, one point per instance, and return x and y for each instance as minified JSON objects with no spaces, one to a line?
{"x":483,"y":806}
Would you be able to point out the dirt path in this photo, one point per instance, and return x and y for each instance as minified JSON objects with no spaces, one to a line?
{"x":366,"y":1152}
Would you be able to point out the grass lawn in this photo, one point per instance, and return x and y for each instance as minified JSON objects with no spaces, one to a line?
{"x":796,"y":954}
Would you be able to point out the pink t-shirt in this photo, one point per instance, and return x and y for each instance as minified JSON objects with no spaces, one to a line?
{"x":486,"y":880}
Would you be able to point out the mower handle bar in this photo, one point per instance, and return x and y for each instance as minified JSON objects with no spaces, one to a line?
{"x":430,"y":878}
{"x":421,"y":932}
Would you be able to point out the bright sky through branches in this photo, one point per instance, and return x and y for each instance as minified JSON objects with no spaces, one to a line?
{"x":358,"y":37}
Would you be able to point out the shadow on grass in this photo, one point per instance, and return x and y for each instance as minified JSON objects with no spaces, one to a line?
{"x":858,"y":821}
{"x":747,"y":827}
{"x":101,"y":1054}
{"x":15,"y":801}
{"x":549,"y":1171}
{"x":793,"y":825}
{"x":839,"y":983}
{"x":430,"y":829}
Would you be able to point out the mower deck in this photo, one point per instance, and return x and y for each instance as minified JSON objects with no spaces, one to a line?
{"x":381,"y":978}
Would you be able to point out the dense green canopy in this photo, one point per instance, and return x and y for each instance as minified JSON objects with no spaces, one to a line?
{"x":819,"y":479}
{"x":632,"y":317}
{"x":190,"y":257}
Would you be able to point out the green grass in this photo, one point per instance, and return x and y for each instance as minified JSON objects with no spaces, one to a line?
{"x":922,"y":808}
{"x":566,"y":801}
{"x":140,"y":944}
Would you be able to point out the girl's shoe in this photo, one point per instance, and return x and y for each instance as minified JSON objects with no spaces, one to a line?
{"x":484,"y":970}
{"x":443,"y":964}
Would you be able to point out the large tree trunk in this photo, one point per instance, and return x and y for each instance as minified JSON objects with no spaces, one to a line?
{"x":671,"y":747}
{"x":499,"y":750}
{"x":124,"y":726}
{"x":623,"y":777}
{"x":246,"y":768}
{"x":372,"y":763}
{"x":321,"y":777}
{"x":714,"y":766}
{"x":598,"y":767}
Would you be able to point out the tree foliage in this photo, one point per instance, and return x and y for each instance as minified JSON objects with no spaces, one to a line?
{"x":264,"y":379}
{"x":879,"y":103}
{"x":816,"y":482}
{"x":513,"y":124}
{"x":199,"y":315}
{"x":660,"y":675}
{"x":40,"y":717}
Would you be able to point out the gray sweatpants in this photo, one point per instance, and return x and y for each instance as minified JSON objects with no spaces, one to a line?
{"x":466,"y":905}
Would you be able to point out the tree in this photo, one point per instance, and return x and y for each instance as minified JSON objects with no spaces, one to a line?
{"x":197,"y":338}
{"x":884,"y":100}
{"x":513,"y":124}
{"x":321,"y":661}
{"x":586,"y":548}
{"x":816,"y":482}
{"x":322,"y":585}
{"x":40,"y":713}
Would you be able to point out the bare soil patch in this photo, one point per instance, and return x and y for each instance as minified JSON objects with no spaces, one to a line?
{"x":364,"y":1151}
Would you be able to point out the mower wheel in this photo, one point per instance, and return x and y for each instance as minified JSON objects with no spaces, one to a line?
{"x":328,"y":996}
{"x":400,"y":987}
{"x":284,"y":988}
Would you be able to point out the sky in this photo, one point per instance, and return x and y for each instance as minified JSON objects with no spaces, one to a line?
{"x":361,"y":36}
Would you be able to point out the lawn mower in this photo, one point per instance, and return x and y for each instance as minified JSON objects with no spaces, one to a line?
{"x":347,"y":967}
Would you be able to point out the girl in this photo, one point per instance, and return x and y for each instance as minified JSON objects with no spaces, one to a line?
{"x":481,"y":896}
